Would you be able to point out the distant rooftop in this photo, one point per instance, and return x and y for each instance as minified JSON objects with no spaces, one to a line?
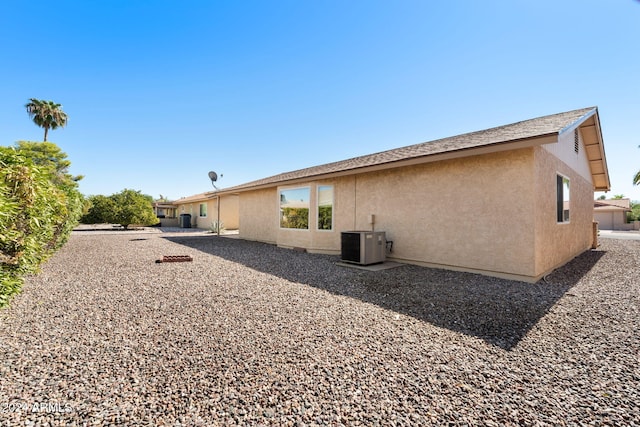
{"x":612,"y":204}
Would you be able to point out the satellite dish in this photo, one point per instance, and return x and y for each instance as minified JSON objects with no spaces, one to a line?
{"x":214,"y":177}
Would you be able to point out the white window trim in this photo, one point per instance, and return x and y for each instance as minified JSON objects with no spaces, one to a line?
{"x":280,"y":190}
{"x":333,"y":204}
{"x":569,"y":180}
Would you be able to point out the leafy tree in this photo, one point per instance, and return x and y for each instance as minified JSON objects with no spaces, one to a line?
{"x":133,"y":207}
{"x":49,"y":156}
{"x":618,"y":197}
{"x":99,"y":211}
{"x":46,"y":114}
{"x":603,"y":197}
{"x":634,"y":215}
{"x":38,"y":210}
{"x":125,"y":208}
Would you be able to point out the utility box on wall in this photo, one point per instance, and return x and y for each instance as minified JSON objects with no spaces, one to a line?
{"x":363,"y":247}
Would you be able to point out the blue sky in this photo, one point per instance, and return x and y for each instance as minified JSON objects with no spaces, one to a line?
{"x":158,"y":93}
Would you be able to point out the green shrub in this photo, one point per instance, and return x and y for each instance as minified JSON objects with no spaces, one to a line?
{"x":39,"y":207}
{"x":128,"y":207}
{"x":634,"y":215}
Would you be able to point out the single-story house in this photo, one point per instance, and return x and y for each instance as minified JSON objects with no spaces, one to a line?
{"x":204,"y":212}
{"x":165,"y":210}
{"x":514,"y":201}
{"x":611,"y":214}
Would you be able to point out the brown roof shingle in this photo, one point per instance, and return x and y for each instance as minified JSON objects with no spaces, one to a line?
{"x":533,"y":128}
{"x":612,"y":204}
{"x":193,"y":198}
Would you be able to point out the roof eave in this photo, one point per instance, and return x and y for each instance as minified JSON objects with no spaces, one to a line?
{"x":191,"y":199}
{"x":594,"y":145}
{"x":430,"y":158}
{"x":588,"y":122}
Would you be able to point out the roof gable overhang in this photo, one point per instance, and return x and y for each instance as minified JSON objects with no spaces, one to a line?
{"x":589,"y":126}
{"x":594,"y":146}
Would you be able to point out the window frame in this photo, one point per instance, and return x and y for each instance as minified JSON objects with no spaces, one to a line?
{"x":563,"y":216}
{"x":200,"y":210}
{"x":280,"y":214}
{"x":332,"y":205}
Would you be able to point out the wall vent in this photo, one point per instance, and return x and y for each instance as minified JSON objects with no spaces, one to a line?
{"x":576,"y":141}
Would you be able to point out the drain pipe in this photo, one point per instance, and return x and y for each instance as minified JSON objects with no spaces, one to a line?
{"x":218,"y":203}
{"x":214,"y":177}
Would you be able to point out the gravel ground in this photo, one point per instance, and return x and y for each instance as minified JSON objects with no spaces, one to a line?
{"x":251,"y":334}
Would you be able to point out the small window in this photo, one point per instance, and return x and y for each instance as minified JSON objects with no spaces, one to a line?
{"x":563,"y":199}
{"x":294,"y":208}
{"x":203,"y":209}
{"x":325,"y":207}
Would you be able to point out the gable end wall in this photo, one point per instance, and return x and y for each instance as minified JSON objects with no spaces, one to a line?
{"x":557,"y":243}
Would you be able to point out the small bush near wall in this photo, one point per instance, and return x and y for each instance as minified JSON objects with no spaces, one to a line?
{"x":214,"y":227}
{"x":634,"y":215}
{"x":39,"y":206}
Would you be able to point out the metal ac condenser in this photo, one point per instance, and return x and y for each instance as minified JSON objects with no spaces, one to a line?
{"x":363,"y":247}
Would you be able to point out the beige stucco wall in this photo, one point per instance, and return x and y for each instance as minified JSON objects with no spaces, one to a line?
{"x":493,"y":214}
{"x":557,"y":243}
{"x":229,"y":212}
{"x":564,"y":150}
{"x":259,"y":215}
{"x":470,"y":213}
{"x":169,"y":222}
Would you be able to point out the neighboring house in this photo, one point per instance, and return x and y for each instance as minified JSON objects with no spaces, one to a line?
{"x":166,"y":213}
{"x":513,"y":201}
{"x":203,"y":209}
{"x":612,"y":214}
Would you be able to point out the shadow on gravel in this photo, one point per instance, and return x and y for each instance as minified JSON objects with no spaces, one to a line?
{"x":498,"y":311}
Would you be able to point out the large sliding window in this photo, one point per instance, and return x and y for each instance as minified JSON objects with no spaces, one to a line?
{"x":325,"y":207}
{"x":294,"y":208}
{"x":562,"y":198}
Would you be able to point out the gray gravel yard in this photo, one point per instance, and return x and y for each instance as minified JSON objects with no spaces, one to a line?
{"x":251,"y":334}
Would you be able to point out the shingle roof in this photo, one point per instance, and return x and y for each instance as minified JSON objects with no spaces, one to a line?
{"x":527,"y":129}
{"x":193,"y":198}
{"x":612,"y":204}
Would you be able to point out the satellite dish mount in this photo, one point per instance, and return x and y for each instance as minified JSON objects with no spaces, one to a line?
{"x":214,"y":177}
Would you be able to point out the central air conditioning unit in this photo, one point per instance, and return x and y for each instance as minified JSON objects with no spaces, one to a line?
{"x":363,"y":247}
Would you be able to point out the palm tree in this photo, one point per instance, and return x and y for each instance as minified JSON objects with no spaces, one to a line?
{"x":46,"y":114}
